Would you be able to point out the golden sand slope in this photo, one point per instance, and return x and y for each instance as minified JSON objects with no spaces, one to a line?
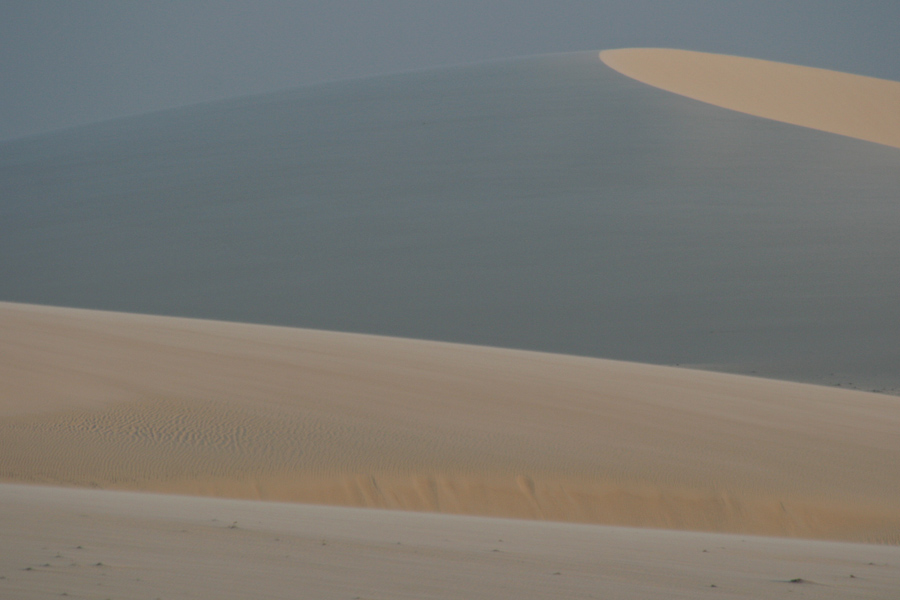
{"x":123,"y":401}
{"x":104,"y":544}
{"x":851,"y":105}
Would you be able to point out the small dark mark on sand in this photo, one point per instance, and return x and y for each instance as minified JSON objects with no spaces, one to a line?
{"x":798,"y":580}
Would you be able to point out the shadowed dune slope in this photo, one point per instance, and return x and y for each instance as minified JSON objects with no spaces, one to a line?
{"x":137,"y":402}
{"x":861,"y":107}
{"x":547,"y":203}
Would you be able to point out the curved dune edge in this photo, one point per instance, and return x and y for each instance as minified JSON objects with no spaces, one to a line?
{"x":134,"y":402}
{"x":852,"y":105}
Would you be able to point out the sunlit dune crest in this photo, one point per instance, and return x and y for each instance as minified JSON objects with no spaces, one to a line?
{"x":549,"y":203}
{"x":852,"y":105}
{"x":137,"y":402}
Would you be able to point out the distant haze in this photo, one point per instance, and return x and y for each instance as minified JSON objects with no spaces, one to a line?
{"x":547,"y":203}
{"x":67,"y":63}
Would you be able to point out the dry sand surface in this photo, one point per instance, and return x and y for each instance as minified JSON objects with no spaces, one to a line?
{"x":130,"y":402}
{"x":102,"y":544}
{"x":542,"y":464}
{"x":851,"y":105}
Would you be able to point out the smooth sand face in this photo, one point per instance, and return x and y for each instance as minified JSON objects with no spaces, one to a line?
{"x":548,"y":203}
{"x":200,"y":407}
{"x":102,"y":544}
{"x":851,"y":105}
{"x":131,"y":402}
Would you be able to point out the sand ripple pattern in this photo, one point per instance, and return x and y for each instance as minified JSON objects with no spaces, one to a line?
{"x":175,"y":405}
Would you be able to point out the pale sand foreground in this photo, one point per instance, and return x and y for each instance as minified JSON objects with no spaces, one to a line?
{"x":853,"y":105}
{"x":136,"y":402}
{"x":103,"y":544}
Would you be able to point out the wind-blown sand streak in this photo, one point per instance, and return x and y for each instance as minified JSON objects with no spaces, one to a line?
{"x":137,"y":402}
{"x":853,"y":105}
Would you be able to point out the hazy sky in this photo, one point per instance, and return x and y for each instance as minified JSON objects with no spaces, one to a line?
{"x":64,"y":63}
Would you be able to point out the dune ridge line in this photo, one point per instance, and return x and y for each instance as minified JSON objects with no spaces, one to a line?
{"x":856,"y":106}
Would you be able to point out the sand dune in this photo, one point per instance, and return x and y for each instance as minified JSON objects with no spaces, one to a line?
{"x":136,"y":402}
{"x":738,"y":276}
{"x":102,"y":544}
{"x":851,"y":105}
{"x":547,"y":203}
